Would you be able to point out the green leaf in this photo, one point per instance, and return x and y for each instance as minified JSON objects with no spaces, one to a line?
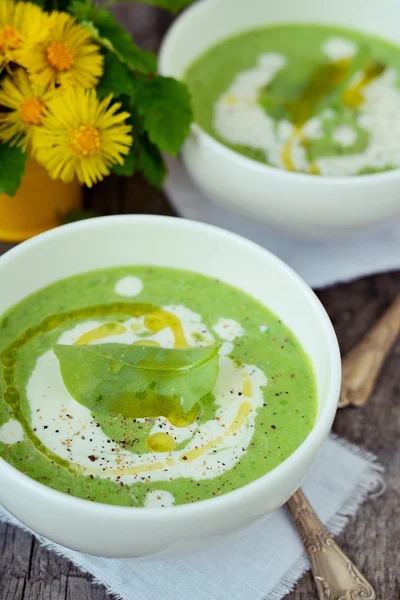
{"x":61,"y":5}
{"x":138,"y":381}
{"x":108,"y":33}
{"x":359,"y":61}
{"x":171,"y":5}
{"x":165,"y":106}
{"x":150,"y":161}
{"x":82,"y":10}
{"x":128,"y":168}
{"x":12,"y":168}
{"x":116,"y":78}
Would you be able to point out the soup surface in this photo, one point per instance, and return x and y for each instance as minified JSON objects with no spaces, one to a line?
{"x":308,"y":98}
{"x":148,"y":386}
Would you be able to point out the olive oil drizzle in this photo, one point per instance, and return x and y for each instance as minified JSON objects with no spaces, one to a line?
{"x":156,"y":466}
{"x":100,"y":332}
{"x":156,"y":319}
{"x":243,"y":413}
{"x":8,"y":357}
{"x":324,"y":81}
{"x":161,"y":442}
{"x":352,"y":96}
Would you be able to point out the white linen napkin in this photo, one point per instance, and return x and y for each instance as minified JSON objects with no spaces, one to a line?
{"x":319,"y":263}
{"x":262,"y":563}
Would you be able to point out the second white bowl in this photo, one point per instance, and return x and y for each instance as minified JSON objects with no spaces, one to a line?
{"x":300,"y":205}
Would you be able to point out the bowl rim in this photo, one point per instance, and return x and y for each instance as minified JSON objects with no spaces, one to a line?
{"x":171,"y":40}
{"x":318,"y":433}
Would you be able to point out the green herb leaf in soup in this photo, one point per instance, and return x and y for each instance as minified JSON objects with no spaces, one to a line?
{"x":139,"y":381}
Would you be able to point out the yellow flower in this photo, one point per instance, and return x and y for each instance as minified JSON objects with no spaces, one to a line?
{"x":25,"y":108}
{"x":20,"y":23}
{"x":81,"y":136}
{"x":67,"y":56}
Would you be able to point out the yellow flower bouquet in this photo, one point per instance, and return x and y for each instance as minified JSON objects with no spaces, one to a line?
{"x":78,"y":96}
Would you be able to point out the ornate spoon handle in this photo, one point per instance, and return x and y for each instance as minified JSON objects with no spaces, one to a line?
{"x":361,"y":365}
{"x":335,"y":575}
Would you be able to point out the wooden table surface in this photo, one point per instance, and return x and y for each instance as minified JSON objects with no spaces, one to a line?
{"x":372,"y":537}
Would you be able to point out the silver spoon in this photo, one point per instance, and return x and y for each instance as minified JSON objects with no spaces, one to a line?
{"x":336,"y":577}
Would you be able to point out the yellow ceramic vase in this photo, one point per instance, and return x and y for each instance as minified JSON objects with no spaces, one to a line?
{"x":40,"y":204}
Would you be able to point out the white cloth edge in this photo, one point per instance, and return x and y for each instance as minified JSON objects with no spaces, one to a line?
{"x":367,"y":480}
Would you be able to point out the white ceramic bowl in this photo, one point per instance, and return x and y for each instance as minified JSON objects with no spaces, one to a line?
{"x":300,"y":205}
{"x":128,"y":240}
